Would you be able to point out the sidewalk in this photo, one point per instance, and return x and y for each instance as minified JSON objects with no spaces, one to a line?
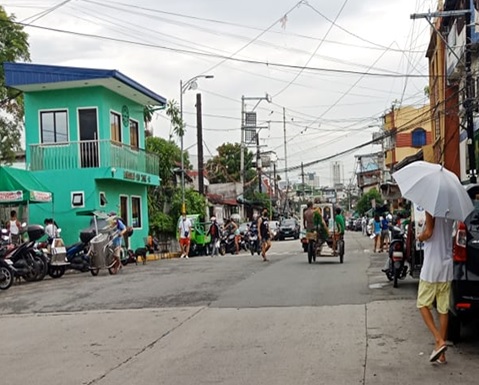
{"x":379,"y":343}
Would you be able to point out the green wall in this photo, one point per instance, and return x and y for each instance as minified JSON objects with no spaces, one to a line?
{"x":63,"y":183}
{"x":71,"y":100}
{"x":91,"y":181}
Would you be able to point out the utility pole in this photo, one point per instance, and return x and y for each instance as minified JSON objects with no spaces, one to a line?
{"x":302,"y":178}
{"x":274,"y":181}
{"x":248,"y":121}
{"x":286,"y":203}
{"x":199,"y":125}
{"x":258,"y":162}
{"x":242,"y":149}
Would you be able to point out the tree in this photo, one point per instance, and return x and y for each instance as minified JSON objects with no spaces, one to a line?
{"x":173,"y":111}
{"x":13,"y":47}
{"x":364,"y":203}
{"x":169,"y":154}
{"x":226,"y":166}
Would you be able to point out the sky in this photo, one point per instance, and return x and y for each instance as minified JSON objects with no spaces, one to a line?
{"x":335,"y":67}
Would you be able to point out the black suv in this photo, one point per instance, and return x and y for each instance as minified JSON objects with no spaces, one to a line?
{"x":289,"y":228}
{"x":464,"y":305}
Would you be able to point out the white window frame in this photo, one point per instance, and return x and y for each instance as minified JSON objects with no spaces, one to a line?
{"x":140,"y":212}
{"x":99,"y":199}
{"x":73,"y":195}
{"x":121,"y":126}
{"x":137,"y":134}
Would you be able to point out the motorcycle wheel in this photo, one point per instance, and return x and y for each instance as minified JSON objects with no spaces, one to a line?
{"x":222,"y":249}
{"x":7,"y":279}
{"x":94,"y":272}
{"x":310,"y":252}
{"x":251,"y":250}
{"x":396,"y":273}
{"x":56,"y":271}
{"x":35,"y":268}
{"x":42,"y":264}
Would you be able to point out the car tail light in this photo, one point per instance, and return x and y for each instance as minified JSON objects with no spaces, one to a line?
{"x":463,"y":306}
{"x":459,"y":253}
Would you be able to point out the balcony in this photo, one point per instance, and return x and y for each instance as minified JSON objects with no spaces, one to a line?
{"x":92,"y":154}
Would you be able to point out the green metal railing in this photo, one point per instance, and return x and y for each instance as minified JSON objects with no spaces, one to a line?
{"x":92,"y":154}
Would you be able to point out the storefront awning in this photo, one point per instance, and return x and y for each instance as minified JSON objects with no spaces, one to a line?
{"x":19,"y":186}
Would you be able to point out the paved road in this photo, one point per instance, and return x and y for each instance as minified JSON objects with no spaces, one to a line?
{"x":227,"y":320}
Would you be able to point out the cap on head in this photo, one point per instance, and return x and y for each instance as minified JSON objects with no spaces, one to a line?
{"x":213,"y":218}
{"x":111,"y":214}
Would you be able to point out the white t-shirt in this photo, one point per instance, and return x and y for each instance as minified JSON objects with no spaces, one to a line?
{"x":185,"y":225}
{"x":437,"y":266}
{"x":51,"y":230}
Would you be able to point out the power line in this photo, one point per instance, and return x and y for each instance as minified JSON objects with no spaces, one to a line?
{"x":406,"y":126}
{"x":313,"y":54}
{"x":374,"y":46}
{"x":213,"y":55}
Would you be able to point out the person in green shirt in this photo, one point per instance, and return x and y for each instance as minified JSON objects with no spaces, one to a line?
{"x":320,"y":224}
{"x":340,"y":226}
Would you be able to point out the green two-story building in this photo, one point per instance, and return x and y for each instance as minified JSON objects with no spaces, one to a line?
{"x":85,"y":141}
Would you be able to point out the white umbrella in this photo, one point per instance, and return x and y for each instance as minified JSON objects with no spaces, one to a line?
{"x":435,"y":189}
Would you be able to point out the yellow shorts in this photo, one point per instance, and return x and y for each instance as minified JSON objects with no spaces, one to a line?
{"x":429,"y":292}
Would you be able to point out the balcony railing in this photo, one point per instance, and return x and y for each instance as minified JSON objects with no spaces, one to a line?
{"x":91,"y":154}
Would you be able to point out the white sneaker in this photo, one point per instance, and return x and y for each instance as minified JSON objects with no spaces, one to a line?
{"x":182,"y":256}
{"x":186,"y":256}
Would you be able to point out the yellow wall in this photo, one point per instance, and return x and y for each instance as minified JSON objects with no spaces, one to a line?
{"x":404,"y":120}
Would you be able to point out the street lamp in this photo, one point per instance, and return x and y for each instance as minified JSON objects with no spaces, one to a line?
{"x":188,"y":85}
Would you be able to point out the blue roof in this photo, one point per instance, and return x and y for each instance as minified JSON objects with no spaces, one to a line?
{"x":29,"y":77}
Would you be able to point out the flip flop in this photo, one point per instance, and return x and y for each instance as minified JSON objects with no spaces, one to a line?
{"x":437,"y":353}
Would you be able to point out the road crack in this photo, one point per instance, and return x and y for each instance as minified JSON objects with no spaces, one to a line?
{"x":145,"y":348}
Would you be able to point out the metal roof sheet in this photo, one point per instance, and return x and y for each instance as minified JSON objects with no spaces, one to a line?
{"x":30,"y":77}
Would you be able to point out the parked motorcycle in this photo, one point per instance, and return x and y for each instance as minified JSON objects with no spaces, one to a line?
{"x":7,"y":273}
{"x":62,"y":258}
{"x":252,"y":242}
{"x":28,"y":263}
{"x":398,"y":258}
{"x":227,"y":243}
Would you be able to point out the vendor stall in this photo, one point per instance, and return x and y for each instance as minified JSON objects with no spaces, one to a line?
{"x":19,"y":188}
